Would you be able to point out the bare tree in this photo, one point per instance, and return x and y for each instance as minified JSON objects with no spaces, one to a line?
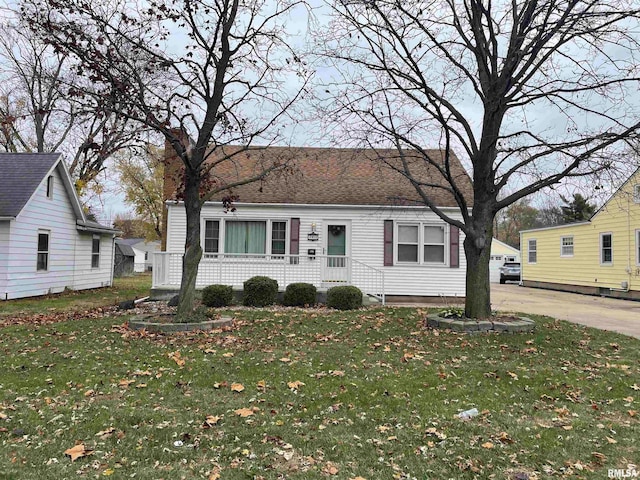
{"x":217,"y":70}
{"x":529,"y":92}
{"x":44,"y":109}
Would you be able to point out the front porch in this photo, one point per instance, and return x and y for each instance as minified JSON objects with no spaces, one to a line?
{"x":322,"y":271}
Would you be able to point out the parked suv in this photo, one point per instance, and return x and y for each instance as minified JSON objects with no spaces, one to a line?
{"x":510,"y":271}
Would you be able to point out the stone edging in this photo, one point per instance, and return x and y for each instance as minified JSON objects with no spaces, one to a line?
{"x":523,"y":324}
{"x":141,"y":322}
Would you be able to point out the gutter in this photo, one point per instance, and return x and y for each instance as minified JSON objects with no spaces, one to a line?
{"x":7,"y":218}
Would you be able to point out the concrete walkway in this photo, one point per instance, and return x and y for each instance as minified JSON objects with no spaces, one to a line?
{"x":622,"y":316}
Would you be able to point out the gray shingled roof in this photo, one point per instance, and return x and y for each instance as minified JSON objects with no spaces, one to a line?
{"x":126,"y":250}
{"x":20,"y":175}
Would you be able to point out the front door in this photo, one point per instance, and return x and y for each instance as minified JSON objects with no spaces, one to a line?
{"x":336,"y":266}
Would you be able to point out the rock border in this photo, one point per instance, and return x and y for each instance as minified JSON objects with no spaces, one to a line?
{"x":522,"y":325}
{"x":141,"y":322}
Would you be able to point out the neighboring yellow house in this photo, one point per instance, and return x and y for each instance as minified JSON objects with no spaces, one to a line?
{"x":599,"y":257}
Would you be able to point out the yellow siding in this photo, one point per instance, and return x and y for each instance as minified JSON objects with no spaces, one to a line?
{"x":620,"y":217}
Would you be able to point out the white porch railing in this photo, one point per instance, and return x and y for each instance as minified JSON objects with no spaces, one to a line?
{"x":233,"y":269}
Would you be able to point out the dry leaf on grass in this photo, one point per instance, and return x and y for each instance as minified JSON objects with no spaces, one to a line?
{"x":237,"y":387}
{"x":244,"y":412}
{"x":487,"y":445}
{"x":261,"y":385}
{"x":210,"y":421}
{"x":330,"y":469}
{"x":176,"y":357}
{"x":106,"y":433}
{"x":78,"y":451}
{"x":295,"y":385}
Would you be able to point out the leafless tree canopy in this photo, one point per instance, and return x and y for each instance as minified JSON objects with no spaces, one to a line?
{"x":555,"y":82}
{"x":43,"y":107}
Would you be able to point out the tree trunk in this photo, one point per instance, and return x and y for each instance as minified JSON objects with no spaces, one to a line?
{"x":477,"y":248}
{"x":192,"y":247}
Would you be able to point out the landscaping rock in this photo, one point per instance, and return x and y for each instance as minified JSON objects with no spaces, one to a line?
{"x":127,"y":305}
{"x":510,"y":325}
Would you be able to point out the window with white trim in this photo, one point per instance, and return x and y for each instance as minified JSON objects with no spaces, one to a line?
{"x":636,"y":193}
{"x":606,"y":248}
{"x":566,"y":246}
{"x":250,"y":237}
{"x":532,"y":251}
{"x":211,"y":236}
{"x":421,"y":243}
{"x":637,"y":247}
{"x":95,"y":251}
{"x":42,"y":262}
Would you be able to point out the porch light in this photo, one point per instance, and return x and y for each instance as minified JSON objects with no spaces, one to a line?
{"x":313,"y":236}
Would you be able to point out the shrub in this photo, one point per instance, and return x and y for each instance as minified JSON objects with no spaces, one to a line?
{"x":344,"y":298}
{"x":260,"y":291}
{"x":299,"y":295}
{"x":217,"y":295}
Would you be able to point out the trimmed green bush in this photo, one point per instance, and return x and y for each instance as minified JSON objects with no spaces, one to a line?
{"x":344,"y":298}
{"x":217,"y":295}
{"x":260,"y":292}
{"x":299,"y":295}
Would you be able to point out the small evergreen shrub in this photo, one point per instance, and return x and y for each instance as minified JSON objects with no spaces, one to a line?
{"x":217,"y":295}
{"x":344,"y":298}
{"x":299,"y":295}
{"x":260,"y":292}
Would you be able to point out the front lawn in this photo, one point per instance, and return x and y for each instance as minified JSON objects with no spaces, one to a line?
{"x":296,"y":394}
{"x":125,"y":288}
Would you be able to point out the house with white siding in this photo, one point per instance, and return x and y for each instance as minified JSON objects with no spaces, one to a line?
{"x":335,"y":217}
{"x":47,"y":244}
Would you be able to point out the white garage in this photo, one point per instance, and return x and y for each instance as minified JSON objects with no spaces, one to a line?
{"x":501,"y":253}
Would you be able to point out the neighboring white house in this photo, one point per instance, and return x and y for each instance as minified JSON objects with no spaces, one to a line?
{"x":143,"y":251}
{"x":46,"y":242}
{"x":339,"y":218}
{"x":501,"y":253}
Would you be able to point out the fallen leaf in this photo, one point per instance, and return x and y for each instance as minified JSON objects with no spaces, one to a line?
{"x":487,"y":445}
{"x":295,"y":385}
{"x":78,"y":451}
{"x":228,"y":354}
{"x":261,"y":385}
{"x":176,"y":357}
{"x":330,"y":469}
{"x":285,"y":359}
{"x":125,"y":382}
{"x":210,"y":421}
{"x":632,"y":413}
{"x":337,"y":373}
{"x":357,"y":478}
{"x":635,"y":387}
{"x":215,"y":474}
{"x":611,"y":440}
{"x":89,"y":393}
{"x":237,"y":387}
{"x":106,"y":433}
{"x":244,"y":412}
{"x":108,"y":472}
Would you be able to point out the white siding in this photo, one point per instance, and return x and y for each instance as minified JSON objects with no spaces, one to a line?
{"x":366,"y":242}
{"x":67,"y":268}
{"x":56,"y":216}
{"x":5,"y":227}
{"x":85,"y":276}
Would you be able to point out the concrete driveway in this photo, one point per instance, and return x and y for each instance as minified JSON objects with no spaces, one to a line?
{"x":621,"y":316}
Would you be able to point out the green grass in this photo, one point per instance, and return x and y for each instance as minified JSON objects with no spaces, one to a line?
{"x":125,"y":288}
{"x":379,"y":400}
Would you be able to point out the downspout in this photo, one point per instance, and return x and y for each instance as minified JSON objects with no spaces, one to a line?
{"x":113,"y":257}
{"x":625,"y":285}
